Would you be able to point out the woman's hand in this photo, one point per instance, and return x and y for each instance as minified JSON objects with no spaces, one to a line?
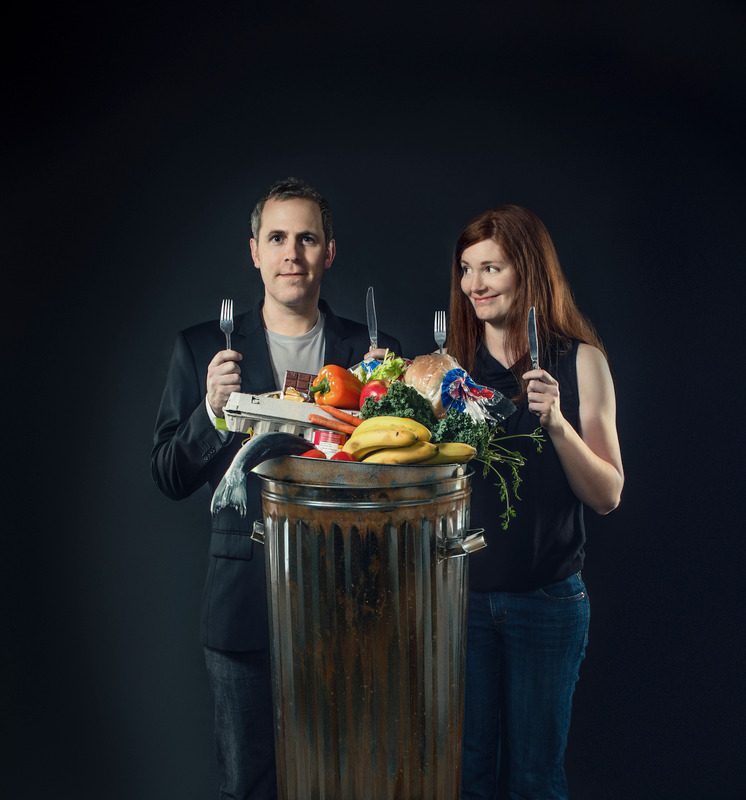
{"x":544,"y":398}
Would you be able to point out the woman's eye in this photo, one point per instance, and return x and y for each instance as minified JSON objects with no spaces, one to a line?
{"x":466,"y":270}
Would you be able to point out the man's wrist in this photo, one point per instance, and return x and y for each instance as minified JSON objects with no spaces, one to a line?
{"x":210,"y":411}
{"x":221,"y":431}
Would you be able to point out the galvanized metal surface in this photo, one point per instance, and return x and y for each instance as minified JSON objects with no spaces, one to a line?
{"x":367,"y":624}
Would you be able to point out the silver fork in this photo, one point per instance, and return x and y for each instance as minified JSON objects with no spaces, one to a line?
{"x":440,"y":329}
{"x":226,"y":321}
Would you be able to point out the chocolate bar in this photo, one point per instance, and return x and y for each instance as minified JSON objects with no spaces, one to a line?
{"x":300,"y":381}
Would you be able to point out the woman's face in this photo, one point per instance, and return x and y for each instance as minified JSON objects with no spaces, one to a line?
{"x":488,"y":280}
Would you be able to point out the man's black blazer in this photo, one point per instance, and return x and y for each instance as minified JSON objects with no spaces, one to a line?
{"x":189,"y":453}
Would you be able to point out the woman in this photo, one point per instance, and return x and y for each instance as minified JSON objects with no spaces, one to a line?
{"x":528,"y":607}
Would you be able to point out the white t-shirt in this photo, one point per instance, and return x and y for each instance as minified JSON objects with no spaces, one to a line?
{"x":303,"y":353}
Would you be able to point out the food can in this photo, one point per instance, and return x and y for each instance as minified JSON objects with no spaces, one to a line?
{"x":329,"y":442}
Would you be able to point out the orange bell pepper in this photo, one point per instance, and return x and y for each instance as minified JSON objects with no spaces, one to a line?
{"x":336,"y":386}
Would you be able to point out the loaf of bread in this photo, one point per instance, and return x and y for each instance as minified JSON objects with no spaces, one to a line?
{"x":426,"y":374}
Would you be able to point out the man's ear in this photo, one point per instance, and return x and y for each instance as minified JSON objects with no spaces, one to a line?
{"x":331,"y":251}
{"x":254,"y":255}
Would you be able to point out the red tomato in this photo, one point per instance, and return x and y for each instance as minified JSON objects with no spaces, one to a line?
{"x":340,"y":455}
{"x":374,"y":389}
{"x":314,"y":453}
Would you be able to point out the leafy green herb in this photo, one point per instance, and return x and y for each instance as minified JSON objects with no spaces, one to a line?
{"x":496,"y":453}
{"x":388,"y":370}
{"x":400,"y":401}
{"x":458,"y":426}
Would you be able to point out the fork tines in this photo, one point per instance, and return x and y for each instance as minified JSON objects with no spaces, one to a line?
{"x":226,"y":321}
{"x":440,"y":329}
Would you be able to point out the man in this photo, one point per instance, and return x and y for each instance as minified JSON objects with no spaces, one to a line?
{"x":289,"y":328}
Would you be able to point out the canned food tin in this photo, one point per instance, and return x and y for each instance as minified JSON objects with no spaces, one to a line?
{"x":329,"y":442}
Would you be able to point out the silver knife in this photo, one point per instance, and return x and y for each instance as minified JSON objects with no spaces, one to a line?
{"x":370,"y":310}
{"x":533,"y":339}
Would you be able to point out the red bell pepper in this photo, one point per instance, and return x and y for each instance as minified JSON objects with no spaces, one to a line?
{"x":335,"y":386}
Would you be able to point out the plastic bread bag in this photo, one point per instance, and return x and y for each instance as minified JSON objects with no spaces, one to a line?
{"x":441,"y":380}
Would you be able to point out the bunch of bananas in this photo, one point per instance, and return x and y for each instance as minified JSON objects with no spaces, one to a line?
{"x":398,"y":440}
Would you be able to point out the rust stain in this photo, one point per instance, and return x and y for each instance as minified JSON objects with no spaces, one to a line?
{"x":367,"y":637}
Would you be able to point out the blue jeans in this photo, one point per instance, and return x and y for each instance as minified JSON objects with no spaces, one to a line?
{"x":244,"y":723}
{"x":523,"y":654}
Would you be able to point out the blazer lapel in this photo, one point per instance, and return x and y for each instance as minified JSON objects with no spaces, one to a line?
{"x":250,"y":340}
{"x":338,"y":350}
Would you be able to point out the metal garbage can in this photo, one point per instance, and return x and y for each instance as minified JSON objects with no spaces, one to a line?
{"x":367,"y":591}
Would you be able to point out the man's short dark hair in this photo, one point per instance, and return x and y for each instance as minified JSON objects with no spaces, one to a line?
{"x":291,"y":189}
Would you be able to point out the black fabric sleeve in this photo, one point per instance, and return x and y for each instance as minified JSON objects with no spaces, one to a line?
{"x":185,"y":442}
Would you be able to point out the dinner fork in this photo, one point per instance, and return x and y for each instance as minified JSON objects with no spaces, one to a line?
{"x":226,"y":321}
{"x":440,"y":329}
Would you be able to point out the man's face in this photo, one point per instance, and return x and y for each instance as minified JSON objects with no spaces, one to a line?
{"x":290,"y":252}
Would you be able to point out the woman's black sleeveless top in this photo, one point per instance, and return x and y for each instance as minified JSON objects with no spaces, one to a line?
{"x":544,"y":541}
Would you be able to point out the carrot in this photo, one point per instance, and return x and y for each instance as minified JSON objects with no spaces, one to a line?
{"x":332,"y":424}
{"x":350,"y":419}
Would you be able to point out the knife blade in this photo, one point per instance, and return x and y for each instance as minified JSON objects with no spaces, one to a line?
{"x":370,"y":311}
{"x":533,"y":339}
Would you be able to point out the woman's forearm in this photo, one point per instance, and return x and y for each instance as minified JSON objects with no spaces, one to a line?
{"x":595,"y":481}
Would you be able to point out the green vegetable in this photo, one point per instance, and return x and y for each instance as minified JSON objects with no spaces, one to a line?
{"x":388,"y":370}
{"x":400,"y":401}
{"x":458,"y":426}
{"x":497,"y":454}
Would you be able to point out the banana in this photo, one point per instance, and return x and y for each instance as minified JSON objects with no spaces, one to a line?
{"x":422,"y":433}
{"x":361,"y":443}
{"x":414,"y":454}
{"x":452,"y":453}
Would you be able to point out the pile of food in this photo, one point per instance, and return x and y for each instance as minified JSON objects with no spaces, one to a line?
{"x":422,"y":412}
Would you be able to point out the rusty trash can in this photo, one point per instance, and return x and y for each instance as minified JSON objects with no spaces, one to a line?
{"x":367,"y":591}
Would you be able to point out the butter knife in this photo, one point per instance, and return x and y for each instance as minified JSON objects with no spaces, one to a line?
{"x":370,"y":310}
{"x":533,"y":339}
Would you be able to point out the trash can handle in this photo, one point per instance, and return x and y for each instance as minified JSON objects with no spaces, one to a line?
{"x":455,"y":548}
{"x":257,"y":534}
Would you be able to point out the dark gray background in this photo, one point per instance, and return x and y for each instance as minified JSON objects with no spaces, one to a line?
{"x":136,"y":143}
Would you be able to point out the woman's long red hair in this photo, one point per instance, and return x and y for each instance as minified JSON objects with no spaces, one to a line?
{"x":526,"y":244}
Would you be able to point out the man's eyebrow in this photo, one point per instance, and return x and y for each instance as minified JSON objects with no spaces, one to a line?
{"x":278,"y":232}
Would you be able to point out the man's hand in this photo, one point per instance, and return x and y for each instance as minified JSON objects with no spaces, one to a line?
{"x":223,"y":377}
{"x":379,"y":354}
